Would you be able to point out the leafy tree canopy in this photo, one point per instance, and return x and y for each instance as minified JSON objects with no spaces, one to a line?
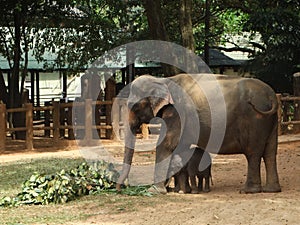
{"x":279,"y":26}
{"x":78,"y":31}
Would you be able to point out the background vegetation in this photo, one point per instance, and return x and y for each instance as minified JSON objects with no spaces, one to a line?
{"x":76,"y":32}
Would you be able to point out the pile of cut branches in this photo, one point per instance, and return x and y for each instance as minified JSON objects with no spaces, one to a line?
{"x":64,"y":186}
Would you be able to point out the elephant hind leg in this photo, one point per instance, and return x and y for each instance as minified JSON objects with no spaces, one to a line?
{"x":200,"y":183}
{"x":253,"y":183}
{"x":207,"y":185}
{"x":272,"y":180}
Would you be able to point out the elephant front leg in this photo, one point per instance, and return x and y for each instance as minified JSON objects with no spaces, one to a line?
{"x":162,"y":162}
{"x":253,"y":183}
{"x":167,"y":143}
{"x":194,"y":184}
{"x":184,"y":181}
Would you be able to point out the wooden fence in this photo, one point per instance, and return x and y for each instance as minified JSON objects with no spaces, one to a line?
{"x":89,"y":124}
{"x":288,"y":114}
{"x":92,"y":120}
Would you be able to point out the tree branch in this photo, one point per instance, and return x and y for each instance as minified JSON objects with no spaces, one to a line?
{"x":257,"y":45}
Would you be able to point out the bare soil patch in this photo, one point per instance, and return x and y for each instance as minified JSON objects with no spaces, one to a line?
{"x":223,"y":205}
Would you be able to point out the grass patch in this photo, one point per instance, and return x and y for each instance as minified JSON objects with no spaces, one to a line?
{"x":13,"y":174}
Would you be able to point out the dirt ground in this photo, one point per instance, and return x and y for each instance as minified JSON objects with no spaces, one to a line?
{"x":223,"y":205}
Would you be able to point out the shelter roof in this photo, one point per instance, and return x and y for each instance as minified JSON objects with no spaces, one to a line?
{"x":218,"y":58}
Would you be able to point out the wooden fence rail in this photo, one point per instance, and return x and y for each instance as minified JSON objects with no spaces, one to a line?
{"x":60,"y":116}
{"x":55,"y":118}
{"x":288,"y":114}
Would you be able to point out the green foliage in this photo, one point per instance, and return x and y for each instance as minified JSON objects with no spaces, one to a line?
{"x":65,"y":186}
{"x":137,"y":191}
{"x":76,"y":32}
{"x":279,"y":26}
{"x":232,"y":22}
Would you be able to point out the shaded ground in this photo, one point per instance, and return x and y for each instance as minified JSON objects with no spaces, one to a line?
{"x":223,"y":205}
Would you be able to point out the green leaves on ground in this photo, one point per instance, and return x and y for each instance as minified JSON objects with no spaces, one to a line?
{"x":65,"y":186}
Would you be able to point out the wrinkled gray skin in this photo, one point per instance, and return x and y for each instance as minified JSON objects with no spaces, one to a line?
{"x":251,"y":123}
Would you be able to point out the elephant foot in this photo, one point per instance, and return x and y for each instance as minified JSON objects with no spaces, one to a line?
{"x":272,"y":188}
{"x":176,"y":189}
{"x":118,"y":187}
{"x":157,"y":189}
{"x":251,"y":190}
{"x":188,"y":189}
{"x":194,"y":192}
{"x":206,"y":190}
{"x":169,"y":189}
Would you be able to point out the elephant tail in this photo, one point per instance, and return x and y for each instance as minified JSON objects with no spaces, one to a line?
{"x":266,"y":113}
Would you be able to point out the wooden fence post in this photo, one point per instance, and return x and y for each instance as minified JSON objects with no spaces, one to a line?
{"x":69,"y":118}
{"x":279,"y":113}
{"x":145,"y":131}
{"x":47,"y":120}
{"x":2,"y":126}
{"x":296,"y":84}
{"x":116,"y":107}
{"x":88,"y":121}
{"x":62,"y":112}
{"x":29,"y":126}
{"x":56,"y":121}
{"x":110,"y":94}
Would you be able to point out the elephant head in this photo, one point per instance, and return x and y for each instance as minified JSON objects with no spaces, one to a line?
{"x":147,"y":96}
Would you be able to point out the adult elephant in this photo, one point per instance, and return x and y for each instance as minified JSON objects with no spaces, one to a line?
{"x":221,"y":114}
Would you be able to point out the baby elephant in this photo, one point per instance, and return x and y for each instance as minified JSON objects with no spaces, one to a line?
{"x":199,"y":166}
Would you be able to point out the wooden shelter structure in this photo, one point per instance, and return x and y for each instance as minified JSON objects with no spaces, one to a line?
{"x":109,"y":69}
{"x":223,"y":64}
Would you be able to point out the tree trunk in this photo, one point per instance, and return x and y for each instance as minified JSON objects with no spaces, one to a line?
{"x":155,"y":20}
{"x":207,"y":32}
{"x":24,"y":70}
{"x":18,"y":119}
{"x":3,"y":90}
{"x":14,"y":87}
{"x":187,"y":36}
{"x":158,"y":30}
{"x":186,"y":25}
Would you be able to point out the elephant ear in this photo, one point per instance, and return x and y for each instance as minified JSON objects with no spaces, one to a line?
{"x":160,"y":98}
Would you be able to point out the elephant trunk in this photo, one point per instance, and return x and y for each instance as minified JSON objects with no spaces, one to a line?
{"x":130,"y":139}
{"x":128,"y":155}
